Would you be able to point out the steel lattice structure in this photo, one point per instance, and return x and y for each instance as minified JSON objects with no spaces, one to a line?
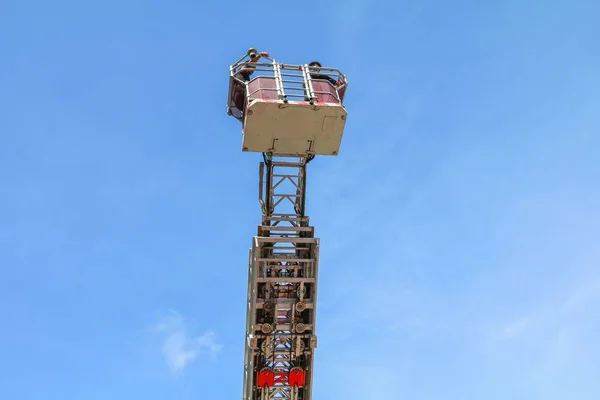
{"x":282,"y":288}
{"x":290,"y":115}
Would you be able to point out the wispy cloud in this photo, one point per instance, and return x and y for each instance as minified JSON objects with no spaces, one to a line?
{"x":179,"y":347}
{"x":570,"y":310}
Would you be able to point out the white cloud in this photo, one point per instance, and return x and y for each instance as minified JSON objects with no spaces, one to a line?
{"x":569,"y":311}
{"x":179,"y":347}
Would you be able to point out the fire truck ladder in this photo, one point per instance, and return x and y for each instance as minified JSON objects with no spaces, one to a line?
{"x":289,"y":113}
{"x":282,"y":287}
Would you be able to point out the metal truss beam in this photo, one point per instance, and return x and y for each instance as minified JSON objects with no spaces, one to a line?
{"x":282,"y":288}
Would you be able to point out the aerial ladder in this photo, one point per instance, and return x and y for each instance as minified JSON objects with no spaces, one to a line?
{"x":289,"y":113}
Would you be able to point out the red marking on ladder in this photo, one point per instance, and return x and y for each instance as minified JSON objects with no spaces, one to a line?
{"x":297,"y":378}
{"x":269,"y":378}
{"x":265,"y":378}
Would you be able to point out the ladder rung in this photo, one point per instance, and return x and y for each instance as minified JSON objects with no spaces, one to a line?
{"x":286,"y":280}
{"x":286,"y":259}
{"x":262,"y":239}
{"x":285,"y":228}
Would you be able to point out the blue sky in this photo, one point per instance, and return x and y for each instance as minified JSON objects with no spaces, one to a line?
{"x":460,"y":223}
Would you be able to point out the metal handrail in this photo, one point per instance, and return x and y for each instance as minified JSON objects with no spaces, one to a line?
{"x":308,"y":85}
{"x":301,"y":75}
{"x":279,"y":83}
